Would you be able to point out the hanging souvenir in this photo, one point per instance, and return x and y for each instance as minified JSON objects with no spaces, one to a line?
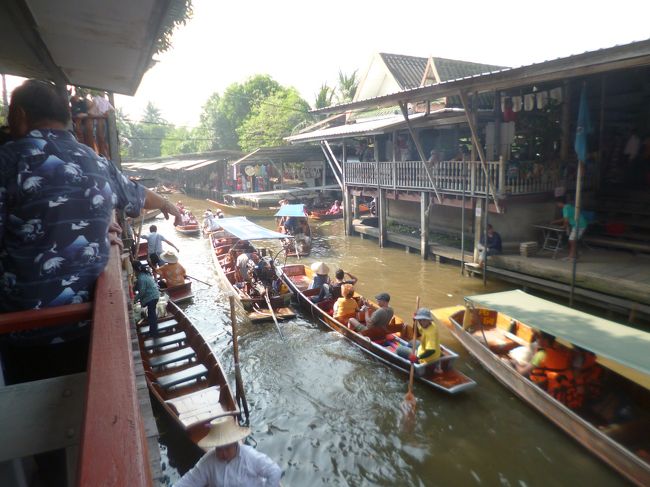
{"x":556,"y":94}
{"x":542,"y":100}
{"x":517,"y":102}
{"x":529,"y":102}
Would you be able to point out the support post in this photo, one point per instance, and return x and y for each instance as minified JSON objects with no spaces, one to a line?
{"x":478,"y":215}
{"x":347,"y":213}
{"x":578,"y":208}
{"x":501,"y":189}
{"x":355,"y":206}
{"x":565,"y":141}
{"x":424,"y":224}
{"x":113,"y":136}
{"x":382,"y":217}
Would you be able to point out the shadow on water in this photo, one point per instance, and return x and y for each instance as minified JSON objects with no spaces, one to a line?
{"x":330,"y":415}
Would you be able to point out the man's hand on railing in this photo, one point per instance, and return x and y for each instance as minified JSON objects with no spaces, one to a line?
{"x":114,"y":233}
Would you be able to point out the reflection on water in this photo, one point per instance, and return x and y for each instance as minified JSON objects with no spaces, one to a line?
{"x":330,"y":415}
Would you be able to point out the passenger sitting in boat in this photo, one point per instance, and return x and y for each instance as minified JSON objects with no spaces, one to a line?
{"x":172,"y":273}
{"x":148,"y":295}
{"x":290,"y":225}
{"x":335,"y":209}
{"x":155,"y":241}
{"x":428,"y":347}
{"x":243,"y":264}
{"x":320,"y":280}
{"x":346,"y":307}
{"x":376,"y":320}
{"x":228,"y":462}
{"x":336,"y":286}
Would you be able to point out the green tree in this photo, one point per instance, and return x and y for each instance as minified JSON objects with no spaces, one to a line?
{"x":324,"y":96}
{"x":179,"y":140}
{"x":223,"y":115}
{"x":347,"y":87}
{"x":152,"y":114}
{"x":274,"y":118}
{"x":147,"y":135}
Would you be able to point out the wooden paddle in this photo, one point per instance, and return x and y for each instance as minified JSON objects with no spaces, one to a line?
{"x":268,"y":303}
{"x":409,"y":403}
{"x":199,"y":280}
{"x":240,"y":393}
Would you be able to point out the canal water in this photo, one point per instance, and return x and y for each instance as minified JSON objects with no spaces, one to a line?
{"x":328,"y":414}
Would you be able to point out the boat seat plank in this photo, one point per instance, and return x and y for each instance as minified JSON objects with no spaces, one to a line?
{"x":163,"y":326}
{"x":186,"y":375}
{"x":198,"y":407}
{"x":159,"y":342}
{"x":171,"y":357}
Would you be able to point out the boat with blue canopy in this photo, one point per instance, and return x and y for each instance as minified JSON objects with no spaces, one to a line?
{"x":293,"y":220}
{"x":589,"y":375}
{"x":248,"y":272}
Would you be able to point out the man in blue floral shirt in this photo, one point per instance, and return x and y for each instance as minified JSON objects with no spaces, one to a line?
{"x":57,"y":198}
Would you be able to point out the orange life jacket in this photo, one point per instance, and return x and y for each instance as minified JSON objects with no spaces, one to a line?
{"x":555,"y":376}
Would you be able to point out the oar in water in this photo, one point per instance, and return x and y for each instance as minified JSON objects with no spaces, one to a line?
{"x":409,"y":403}
{"x":268,"y":303}
{"x":199,"y":280}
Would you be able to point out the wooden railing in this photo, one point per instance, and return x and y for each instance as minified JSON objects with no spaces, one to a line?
{"x":104,"y":423}
{"x":451,"y":177}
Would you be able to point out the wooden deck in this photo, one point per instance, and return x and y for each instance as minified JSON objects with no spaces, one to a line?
{"x":614,"y":280}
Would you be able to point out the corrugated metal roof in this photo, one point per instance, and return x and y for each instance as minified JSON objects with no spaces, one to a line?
{"x":407,"y":70}
{"x":602,"y":60}
{"x":285,"y":153}
{"x":453,"y":69}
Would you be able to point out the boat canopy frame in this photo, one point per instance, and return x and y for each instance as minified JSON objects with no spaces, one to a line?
{"x":244,"y":229}
{"x":297,"y":210}
{"x":619,"y":343}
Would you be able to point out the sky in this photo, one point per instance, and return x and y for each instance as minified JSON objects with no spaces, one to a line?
{"x":304,"y":44}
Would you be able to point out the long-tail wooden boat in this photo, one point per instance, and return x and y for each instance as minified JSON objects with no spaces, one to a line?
{"x":608,"y":395}
{"x":440,"y":375}
{"x":184,"y":375}
{"x":300,"y":244}
{"x":190,"y":225}
{"x":181,"y":293}
{"x":227,"y":245}
{"x":150,"y":215}
{"x":322,"y":215}
{"x":243,"y":210}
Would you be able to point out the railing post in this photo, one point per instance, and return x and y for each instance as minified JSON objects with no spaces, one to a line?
{"x":472,"y":177}
{"x":502,"y":176}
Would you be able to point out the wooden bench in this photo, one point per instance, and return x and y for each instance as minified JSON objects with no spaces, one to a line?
{"x":154,"y":343}
{"x":162,"y":326}
{"x":186,"y":375}
{"x":199,"y":407}
{"x":172,"y":357}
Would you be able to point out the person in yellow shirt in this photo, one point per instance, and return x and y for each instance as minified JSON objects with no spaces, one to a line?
{"x":428,"y":347}
{"x":346,"y":306}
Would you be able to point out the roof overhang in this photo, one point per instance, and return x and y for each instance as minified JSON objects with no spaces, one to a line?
{"x":94,"y":43}
{"x":282,"y":154}
{"x":627,"y":56}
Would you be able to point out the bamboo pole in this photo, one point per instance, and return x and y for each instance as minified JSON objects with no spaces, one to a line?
{"x":240,"y":394}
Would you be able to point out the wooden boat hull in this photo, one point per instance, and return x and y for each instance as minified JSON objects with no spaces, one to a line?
{"x":244,"y":210}
{"x":255,"y":307}
{"x":193,"y":229}
{"x":181,"y":293}
{"x":323,"y":216}
{"x":150,"y":215}
{"x":193,"y":390}
{"x":604,"y":447}
{"x":448,"y":380}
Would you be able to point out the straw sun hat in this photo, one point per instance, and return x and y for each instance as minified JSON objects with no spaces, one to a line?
{"x":223,"y":431}
{"x":169,"y":256}
{"x":320,"y":268}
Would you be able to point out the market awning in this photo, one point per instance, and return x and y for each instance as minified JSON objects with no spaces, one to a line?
{"x":245,"y":229}
{"x":619,"y":343}
{"x":94,"y":43}
{"x":292,"y":210}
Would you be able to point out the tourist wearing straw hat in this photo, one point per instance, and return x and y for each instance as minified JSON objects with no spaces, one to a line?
{"x":229,"y":463}
{"x":321,"y":280}
{"x":172,"y":272}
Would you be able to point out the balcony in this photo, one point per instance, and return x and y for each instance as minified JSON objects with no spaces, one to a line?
{"x":450,"y":177}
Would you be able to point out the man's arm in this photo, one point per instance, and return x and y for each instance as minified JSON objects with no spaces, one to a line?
{"x":153,"y":201}
{"x":167,"y":241}
{"x":353,"y":279}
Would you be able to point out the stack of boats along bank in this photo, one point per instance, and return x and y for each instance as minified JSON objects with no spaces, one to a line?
{"x":607,"y":361}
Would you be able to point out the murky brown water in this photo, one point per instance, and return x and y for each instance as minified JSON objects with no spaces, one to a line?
{"x":329,"y":415}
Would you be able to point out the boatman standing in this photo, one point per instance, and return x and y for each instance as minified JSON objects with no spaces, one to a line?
{"x":230,"y":464}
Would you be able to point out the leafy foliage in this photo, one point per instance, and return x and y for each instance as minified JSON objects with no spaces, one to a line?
{"x":274,"y":118}
{"x":179,"y":13}
{"x":324,"y":96}
{"x":347,"y":87}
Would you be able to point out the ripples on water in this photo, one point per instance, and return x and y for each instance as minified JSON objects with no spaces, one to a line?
{"x":328,"y":414}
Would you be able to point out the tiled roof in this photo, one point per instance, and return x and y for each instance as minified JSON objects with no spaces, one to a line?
{"x":453,"y":69}
{"x":407,"y":70}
